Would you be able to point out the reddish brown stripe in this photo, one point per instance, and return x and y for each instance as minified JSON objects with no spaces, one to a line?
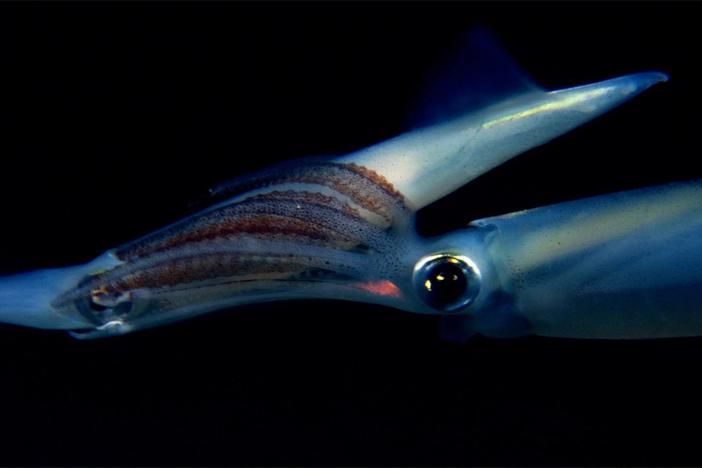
{"x":182,"y":271}
{"x":265,"y":226}
{"x":377,"y":179}
{"x":186,"y":270}
{"x":364,"y":186}
{"x":295,"y":219}
{"x":311,"y":198}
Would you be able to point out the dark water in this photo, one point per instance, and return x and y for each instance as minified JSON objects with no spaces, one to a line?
{"x":116,"y":117}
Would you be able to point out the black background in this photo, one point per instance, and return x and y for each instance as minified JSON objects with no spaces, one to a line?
{"x":115,"y":117}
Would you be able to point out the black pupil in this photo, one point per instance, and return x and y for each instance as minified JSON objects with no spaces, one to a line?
{"x":445,"y":283}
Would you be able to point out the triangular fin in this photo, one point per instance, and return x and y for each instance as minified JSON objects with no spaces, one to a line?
{"x":475,"y":73}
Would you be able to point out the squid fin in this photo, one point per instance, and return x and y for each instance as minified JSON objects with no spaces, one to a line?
{"x":476,"y":73}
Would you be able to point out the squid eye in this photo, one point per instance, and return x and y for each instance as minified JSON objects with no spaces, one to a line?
{"x":447,"y":283}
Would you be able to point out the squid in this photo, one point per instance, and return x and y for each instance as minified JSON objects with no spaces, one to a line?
{"x":619,"y":266}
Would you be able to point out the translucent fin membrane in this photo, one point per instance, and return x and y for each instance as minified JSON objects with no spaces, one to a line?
{"x":475,"y":73}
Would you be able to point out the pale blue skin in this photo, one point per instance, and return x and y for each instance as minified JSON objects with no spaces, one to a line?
{"x":626,"y":265}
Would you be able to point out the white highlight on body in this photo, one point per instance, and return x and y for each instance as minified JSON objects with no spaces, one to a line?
{"x":430,"y":163}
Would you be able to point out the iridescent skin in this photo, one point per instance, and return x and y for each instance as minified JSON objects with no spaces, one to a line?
{"x":619,"y":266}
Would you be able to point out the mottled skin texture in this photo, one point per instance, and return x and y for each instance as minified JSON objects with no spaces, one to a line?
{"x":229,"y":243}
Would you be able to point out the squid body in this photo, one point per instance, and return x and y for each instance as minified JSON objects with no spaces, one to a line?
{"x":625,"y":265}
